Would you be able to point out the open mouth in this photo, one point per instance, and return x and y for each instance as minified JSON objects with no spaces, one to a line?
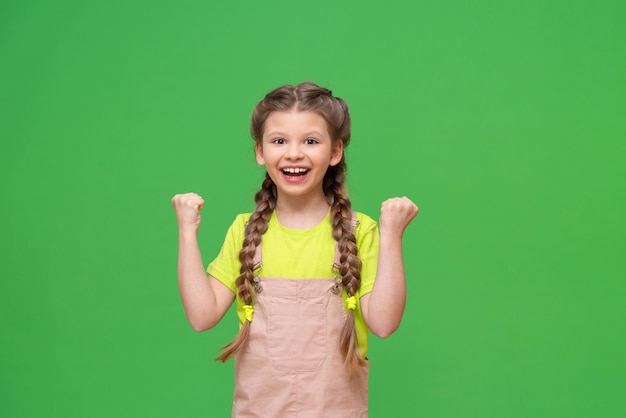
{"x":295,"y":172}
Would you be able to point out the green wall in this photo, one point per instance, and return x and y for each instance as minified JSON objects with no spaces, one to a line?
{"x":503,"y":120}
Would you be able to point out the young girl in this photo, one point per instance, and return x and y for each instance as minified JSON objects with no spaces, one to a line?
{"x":310,"y":277}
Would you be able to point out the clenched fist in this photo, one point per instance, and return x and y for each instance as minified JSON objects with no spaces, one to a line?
{"x":396,"y":214}
{"x":187,"y":207}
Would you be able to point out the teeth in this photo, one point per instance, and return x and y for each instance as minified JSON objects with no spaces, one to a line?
{"x":295,"y":170}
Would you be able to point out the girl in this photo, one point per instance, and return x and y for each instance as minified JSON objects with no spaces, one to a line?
{"x":310,"y":277}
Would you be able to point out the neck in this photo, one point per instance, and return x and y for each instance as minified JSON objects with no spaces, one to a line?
{"x":301,"y":213}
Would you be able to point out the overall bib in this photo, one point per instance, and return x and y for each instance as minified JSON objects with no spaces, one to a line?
{"x":291,"y":365}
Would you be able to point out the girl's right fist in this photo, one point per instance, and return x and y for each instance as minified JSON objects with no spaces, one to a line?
{"x":187,"y":207}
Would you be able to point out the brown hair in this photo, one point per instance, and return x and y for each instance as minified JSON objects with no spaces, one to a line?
{"x":305,"y":97}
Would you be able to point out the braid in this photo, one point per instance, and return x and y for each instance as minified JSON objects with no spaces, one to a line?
{"x":265,"y":200}
{"x":349,"y":262}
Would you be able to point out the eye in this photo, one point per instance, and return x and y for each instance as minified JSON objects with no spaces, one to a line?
{"x":279,"y":141}
{"x":310,"y":141}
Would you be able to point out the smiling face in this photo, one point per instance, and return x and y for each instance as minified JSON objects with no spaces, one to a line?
{"x":297,"y":149}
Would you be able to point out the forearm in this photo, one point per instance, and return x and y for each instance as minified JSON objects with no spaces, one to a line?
{"x":197,"y":295}
{"x":387,"y":300}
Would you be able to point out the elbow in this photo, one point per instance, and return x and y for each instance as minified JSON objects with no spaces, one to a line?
{"x":384,"y":334}
{"x":384,"y":331}
{"x":200,"y":325}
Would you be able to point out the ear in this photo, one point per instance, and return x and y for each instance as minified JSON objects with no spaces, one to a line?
{"x":258,"y":151}
{"x":336,"y":154}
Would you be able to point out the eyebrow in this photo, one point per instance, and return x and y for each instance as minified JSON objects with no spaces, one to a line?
{"x":312,"y":133}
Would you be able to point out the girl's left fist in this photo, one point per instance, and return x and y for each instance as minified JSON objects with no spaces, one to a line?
{"x":396,"y":213}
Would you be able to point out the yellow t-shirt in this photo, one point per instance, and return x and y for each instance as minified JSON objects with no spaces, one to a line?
{"x":300,"y":254}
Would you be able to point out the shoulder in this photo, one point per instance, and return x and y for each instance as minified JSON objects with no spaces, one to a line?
{"x":238,"y":226}
{"x":242,"y":219}
{"x":364,"y":223}
{"x":366,"y":230}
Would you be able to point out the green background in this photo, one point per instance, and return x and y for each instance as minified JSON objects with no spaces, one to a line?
{"x":503,"y":120}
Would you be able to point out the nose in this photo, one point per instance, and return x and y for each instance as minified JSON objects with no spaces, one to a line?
{"x":294,"y":152}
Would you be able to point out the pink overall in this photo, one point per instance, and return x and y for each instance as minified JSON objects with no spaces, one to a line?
{"x":291,"y":365}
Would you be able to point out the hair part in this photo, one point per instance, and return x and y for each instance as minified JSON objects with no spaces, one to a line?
{"x":305,"y":97}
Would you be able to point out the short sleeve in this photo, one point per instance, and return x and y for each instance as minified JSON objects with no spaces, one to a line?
{"x":368,"y":242}
{"x":226,"y":266}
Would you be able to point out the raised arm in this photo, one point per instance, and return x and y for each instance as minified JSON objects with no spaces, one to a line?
{"x":205,"y":298}
{"x":383,"y":307}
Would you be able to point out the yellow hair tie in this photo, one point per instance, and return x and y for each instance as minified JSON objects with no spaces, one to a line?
{"x":248,"y":311}
{"x":351,"y":302}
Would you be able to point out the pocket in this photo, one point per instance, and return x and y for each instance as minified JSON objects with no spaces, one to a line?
{"x":296,"y":336}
